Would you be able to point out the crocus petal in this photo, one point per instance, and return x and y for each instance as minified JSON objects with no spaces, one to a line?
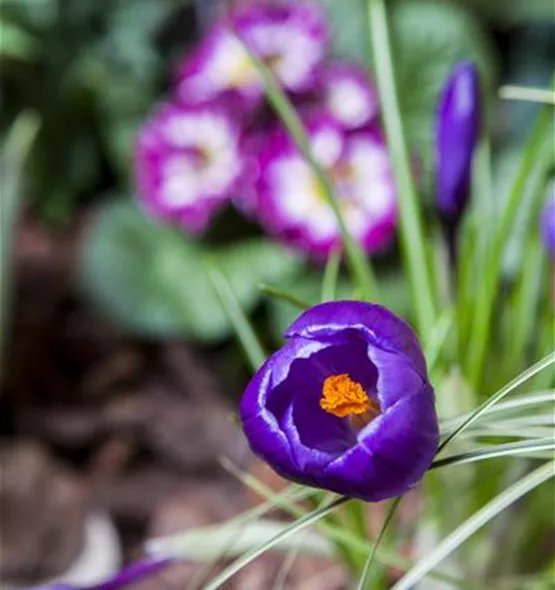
{"x":349,"y":95}
{"x":318,"y":437}
{"x":287,"y":424}
{"x":393,"y":453}
{"x":262,"y":407}
{"x":457,"y":133}
{"x":187,"y":163}
{"x":547,"y":223}
{"x":381,"y":328}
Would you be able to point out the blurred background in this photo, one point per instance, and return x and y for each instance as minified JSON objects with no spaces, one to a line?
{"x":117,"y":398}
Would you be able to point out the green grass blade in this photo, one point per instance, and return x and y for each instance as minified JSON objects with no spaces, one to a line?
{"x":437,"y":338}
{"x":287,"y":565}
{"x":360,"y":266}
{"x":509,"y":406}
{"x":525,"y":303}
{"x":487,"y":289}
{"x":411,"y":226}
{"x":284,"y":296}
{"x":496,"y":451}
{"x":245,"y":333}
{"x":331,"y":275}
{"x":528,"y":94}
{"x":364,"y":582}
{"x":520,"y":433}
{"x":474,"y":523}
{"x":251,"y":555}
{"x":497,"y":397}
{"x":342,"y":535}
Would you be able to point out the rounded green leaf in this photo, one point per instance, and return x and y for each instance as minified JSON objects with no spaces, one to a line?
{"x":153,"y":280}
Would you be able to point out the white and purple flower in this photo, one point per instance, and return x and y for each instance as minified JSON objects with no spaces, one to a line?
{"x":291,"y":201}
{"x":290,"y":38}
{"x":349,"y":94}
{"x":188,"y":163}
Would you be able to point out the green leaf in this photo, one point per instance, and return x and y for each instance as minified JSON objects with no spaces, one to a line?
{"x":413,"y":243}
{"x":153,"y":280}
{"x":474,"y":523}
{"x":348,"y":27}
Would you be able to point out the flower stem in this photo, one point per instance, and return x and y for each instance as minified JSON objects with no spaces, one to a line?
{"x":412,"y":233}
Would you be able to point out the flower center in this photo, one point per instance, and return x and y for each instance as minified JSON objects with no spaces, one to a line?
{"x":343,"y":397}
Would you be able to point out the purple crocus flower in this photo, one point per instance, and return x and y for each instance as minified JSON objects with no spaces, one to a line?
{"x":346,"y":404}
{"x":291,"y":201}
{"x":349,"y":95}
{"x":131,"y":575}
{"x":547,"y":223}
{"x":457,"y":133}
{"x":188,"y":162}
{"x":289,"y":37}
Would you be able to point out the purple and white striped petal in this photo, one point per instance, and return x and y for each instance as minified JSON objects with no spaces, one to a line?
{"x":291,"y":201}
{"x":349,"y":95}
{"x":290,"y":38}
{"x":188,"y":163}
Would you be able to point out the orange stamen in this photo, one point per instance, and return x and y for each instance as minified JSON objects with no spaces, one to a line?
{"x":341,"y":396}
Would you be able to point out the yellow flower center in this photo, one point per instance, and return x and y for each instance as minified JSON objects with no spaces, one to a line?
{"x":342,"y":397}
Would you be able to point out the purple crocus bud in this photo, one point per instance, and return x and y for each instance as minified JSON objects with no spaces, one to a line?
{"x":547,"y":223}
{"x":349,"y":95}
{"x":457,"y":133}
{"x":131,"y":575}
{"x":188,"y":163}
{"x":346,"y":404}
{"x":291,"y":202}
{"x":290,"y":38}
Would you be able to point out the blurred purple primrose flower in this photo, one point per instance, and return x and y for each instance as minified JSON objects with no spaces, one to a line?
{"x":346,"y":404}
{"x":290,"y":38}
{"x":131,"y":575}
{"x":291,"y":201}
{"x":547,"y":223}
{"x":349,"y":95}
{"x":188,"y":163}
{"x":457,"y":134}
